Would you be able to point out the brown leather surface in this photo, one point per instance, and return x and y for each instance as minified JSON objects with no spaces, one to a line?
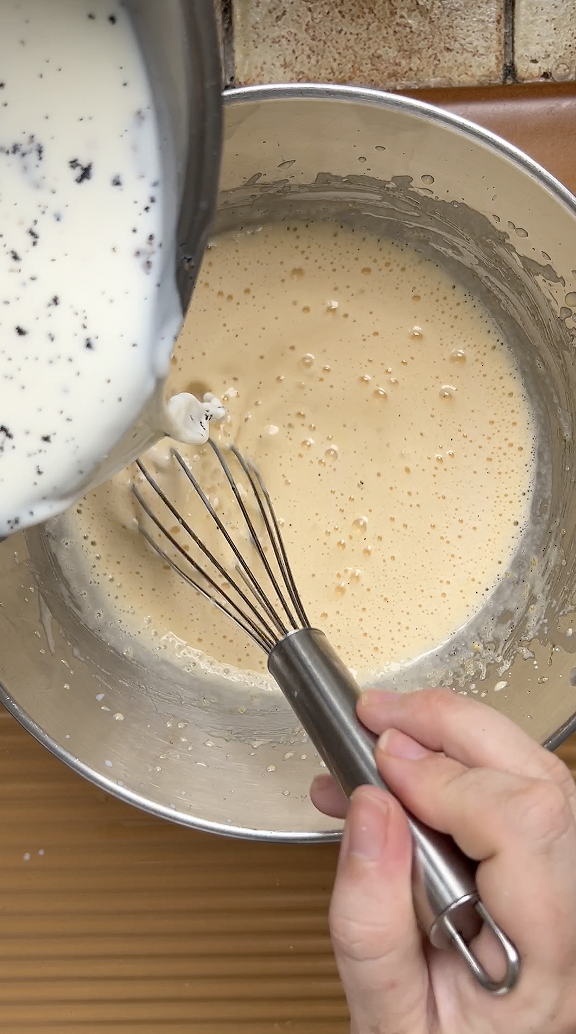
{"x":539,"y":119}
{"x":130,"y":925}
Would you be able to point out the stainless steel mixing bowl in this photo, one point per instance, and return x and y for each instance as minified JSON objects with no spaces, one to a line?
{"x":233,"y":760}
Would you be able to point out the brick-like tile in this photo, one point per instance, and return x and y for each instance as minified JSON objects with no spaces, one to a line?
{"x":386,"y":43}
{"x":218,"y":15}
{"x":545,"y":39}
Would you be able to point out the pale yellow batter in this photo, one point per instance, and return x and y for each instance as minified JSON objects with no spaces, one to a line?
{"x":386,"y":416}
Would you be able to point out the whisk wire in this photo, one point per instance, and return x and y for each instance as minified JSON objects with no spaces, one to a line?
{"x":253,"y":631}
{"x":254,"y":535}
{"x":274,"y":534}
{"x":242,"y":598}
{"x":266,"y":632}
{"x":259,"y":592}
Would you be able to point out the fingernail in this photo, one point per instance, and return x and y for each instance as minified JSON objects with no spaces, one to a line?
{"x":322,"y":782}
{"x":398,"y":745}
{"x":367,"y":827}
{"x":376,"y":697}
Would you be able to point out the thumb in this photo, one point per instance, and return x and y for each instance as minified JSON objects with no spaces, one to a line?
{"x":376,"y":939}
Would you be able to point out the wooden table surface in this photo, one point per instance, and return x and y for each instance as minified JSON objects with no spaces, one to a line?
{"x":112,"y":922}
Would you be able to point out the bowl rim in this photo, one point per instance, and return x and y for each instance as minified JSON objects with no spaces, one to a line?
{"x":370,"y":96}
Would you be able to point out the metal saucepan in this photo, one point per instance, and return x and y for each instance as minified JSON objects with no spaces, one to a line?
{"x":178,"y":42}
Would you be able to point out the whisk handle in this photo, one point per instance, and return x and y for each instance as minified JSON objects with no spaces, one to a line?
{"x":323,"y":694}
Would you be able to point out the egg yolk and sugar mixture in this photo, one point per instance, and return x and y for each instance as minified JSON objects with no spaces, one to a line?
{"x":388,"y":419}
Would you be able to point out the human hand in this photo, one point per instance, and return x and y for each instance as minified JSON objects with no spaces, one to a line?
{"x":466,"y":770}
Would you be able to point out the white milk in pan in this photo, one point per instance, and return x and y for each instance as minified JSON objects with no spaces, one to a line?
{"x":85,"y":330}
{"x":389,"y":421}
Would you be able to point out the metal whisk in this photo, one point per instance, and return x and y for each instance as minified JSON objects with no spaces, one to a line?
{"x":320,"y":689}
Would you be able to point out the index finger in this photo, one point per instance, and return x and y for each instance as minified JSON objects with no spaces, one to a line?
{"x":463,"y":729}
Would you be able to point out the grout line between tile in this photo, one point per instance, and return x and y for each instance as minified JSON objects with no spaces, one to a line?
{"x":509,"y":70}
{"x":228,"y":41}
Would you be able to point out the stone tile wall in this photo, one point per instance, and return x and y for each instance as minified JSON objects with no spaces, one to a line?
{"x":398,"y":44}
